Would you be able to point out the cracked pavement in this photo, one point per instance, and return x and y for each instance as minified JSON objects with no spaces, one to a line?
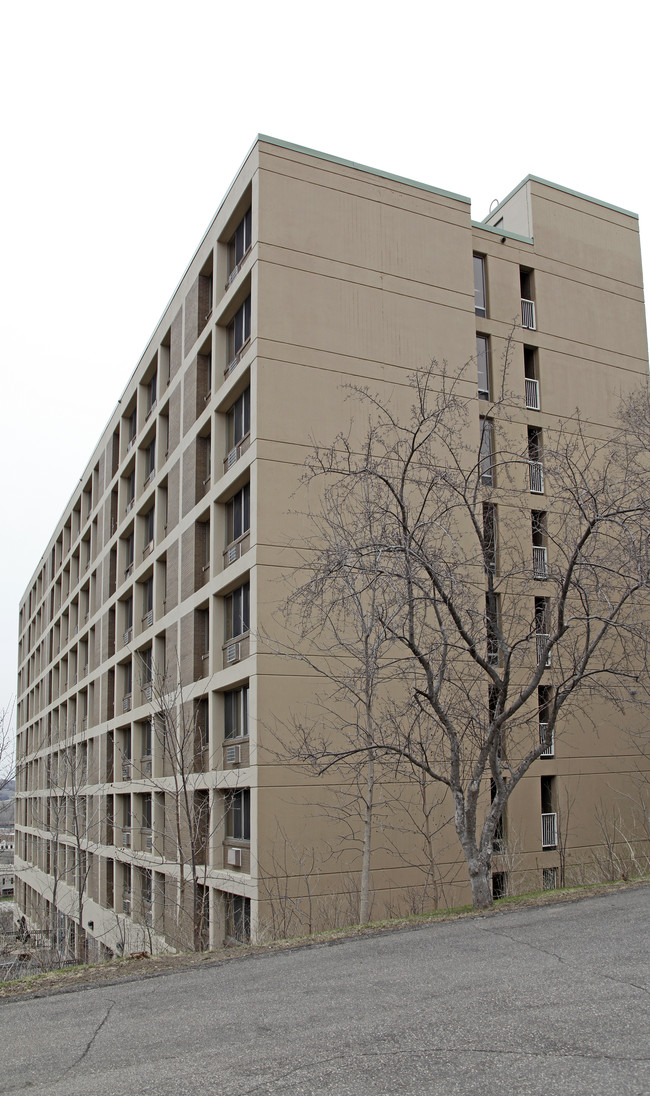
{"x":548,"y":1001}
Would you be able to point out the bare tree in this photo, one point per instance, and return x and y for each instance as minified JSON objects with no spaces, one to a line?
{"x":192,"y":811}
{"x":487,"y":631}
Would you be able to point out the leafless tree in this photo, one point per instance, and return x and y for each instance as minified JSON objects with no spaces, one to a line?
{"x":439,"y":532}
{"x":193,"y":812}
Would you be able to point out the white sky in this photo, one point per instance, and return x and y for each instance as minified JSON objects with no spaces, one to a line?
{"x":124,"y":123}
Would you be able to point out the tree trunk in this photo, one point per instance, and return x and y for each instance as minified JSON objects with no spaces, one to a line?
{"x":480,"y":878}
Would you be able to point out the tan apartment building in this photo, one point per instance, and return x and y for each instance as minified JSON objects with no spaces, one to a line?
{"x":149,"y":782}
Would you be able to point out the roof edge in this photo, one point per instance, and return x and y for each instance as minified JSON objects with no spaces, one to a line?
{"x":363,"y":167}
{"x":565,"y":190}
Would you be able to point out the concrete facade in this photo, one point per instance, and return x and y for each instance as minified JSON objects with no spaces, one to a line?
{"x":170,"y":558}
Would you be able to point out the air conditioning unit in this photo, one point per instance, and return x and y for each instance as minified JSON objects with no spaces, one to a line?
{"x":233,"y":755}
{"x":233,"y":456}
{"x":126,"y":840}
{"x":233,"y":553}
{"x":234,"y":858}
{"x":128,"y":635}
{"x":147,"y":690}
{"x":129,"y":505}
{"x":145,"y":765}
{"x":126,"y":906}
{"x":232,"y":652}
{"x":148,"y":842}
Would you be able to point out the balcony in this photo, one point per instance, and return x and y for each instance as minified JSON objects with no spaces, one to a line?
{"x":549,"y":831}
{"x":532,"y":394}
{"x":528,"y":314}
{"x":536,"y":477}
{"x":550,"y":749}
{"x":540,"y":569}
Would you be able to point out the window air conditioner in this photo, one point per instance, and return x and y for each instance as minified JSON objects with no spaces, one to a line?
{"x":234,"y":858}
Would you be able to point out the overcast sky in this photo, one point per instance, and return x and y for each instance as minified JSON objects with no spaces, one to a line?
{"x":124,"y":123}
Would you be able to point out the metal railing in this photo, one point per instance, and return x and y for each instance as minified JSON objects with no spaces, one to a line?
{"x":536,"y":476}
{"x":549,"y":830}
{"x":540,"y":569}
{"x":532,"y":394}
{"x":528,"y":314}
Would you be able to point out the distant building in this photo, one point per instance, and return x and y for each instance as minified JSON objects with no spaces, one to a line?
{"x":315,"y":272}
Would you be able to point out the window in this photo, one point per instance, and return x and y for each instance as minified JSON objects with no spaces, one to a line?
{"x":486,"y":452}
{"x":483,"y":366}
{"x":236,"y":713}
{"x":535,"y":466}
{"x":542,"y":629}
{"x":549,"y":814}
{"x":238,"y":515}
{"x":492,"y":627}
{"x":544,"y":697}
{"x":499,"y":831}
{"x":237,"y":609}
{"x":549,"y":878}
{"x":238,"y":811}
{"x":531,"y":379}
{"x":132,"y":422}
{"x":480,"y":302}
{"x":490,"y":538}
{"x":240,"y":243}
{"x":147,"y":596}
{"x":146,"y":811}
{"x":147,"y":666}
{"x":128,"y":614}
{"x":130,"y":489}
{"x":130,"y":550}
{"x":238,"y":918}
{"x":152,"y":393}
{"x":239,"y":331}
{"x":527,"y":299}
{"x":538,"y":533}
{"x":149,"y":526}
{"x":239,"y":419}
{"x":499,"y":884}
{"x":150,"y":459}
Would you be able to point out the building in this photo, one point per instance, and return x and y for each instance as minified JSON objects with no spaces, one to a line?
{"x":170,"y":555}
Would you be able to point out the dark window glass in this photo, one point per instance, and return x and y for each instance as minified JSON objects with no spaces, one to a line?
{"x":238,"y":514}
{"x":238,"y":818}
{"x":239,"y":419}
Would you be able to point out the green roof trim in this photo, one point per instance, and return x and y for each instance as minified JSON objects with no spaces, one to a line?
{"x":503,"y":232}
{"x":565,"y":190}
{"x":363,"y":167}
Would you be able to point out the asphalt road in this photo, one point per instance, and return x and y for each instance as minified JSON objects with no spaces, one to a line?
{"x":542,"y":1001}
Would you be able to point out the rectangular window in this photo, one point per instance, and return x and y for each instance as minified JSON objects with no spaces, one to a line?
{"x":538,"y":533}
{"x":531,"y":378}
{"x":237,"y":609}
{"x":535,"y":465}
{"x":240,"y":243}
{"x":486,"y":453}
{"x":544,"y":697}
{"x":492,"y":627}
{"x":147,"y":596}
{"x":238,"y":514}
{"x":480,"y":300}
{"x":238,"y":816}
{"x":490,"y":538}
{"x":239,"y":419}
{"x":238,"y":918}
{"x":236,"y":713}
{"x":149,"y":526}
{"x":150,"y":459}
{"x":239,"y":331}
{"x":483,"y":366}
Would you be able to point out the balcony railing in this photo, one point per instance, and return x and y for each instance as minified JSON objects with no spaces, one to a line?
{"x":528,"y":314}
{"x":549,"y":831}
{"x":532,"y":394}
{"x":550,"y":749}
{"x":540,"y":569}
{"x":541,"y":639}
{"x":536,"y":476}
